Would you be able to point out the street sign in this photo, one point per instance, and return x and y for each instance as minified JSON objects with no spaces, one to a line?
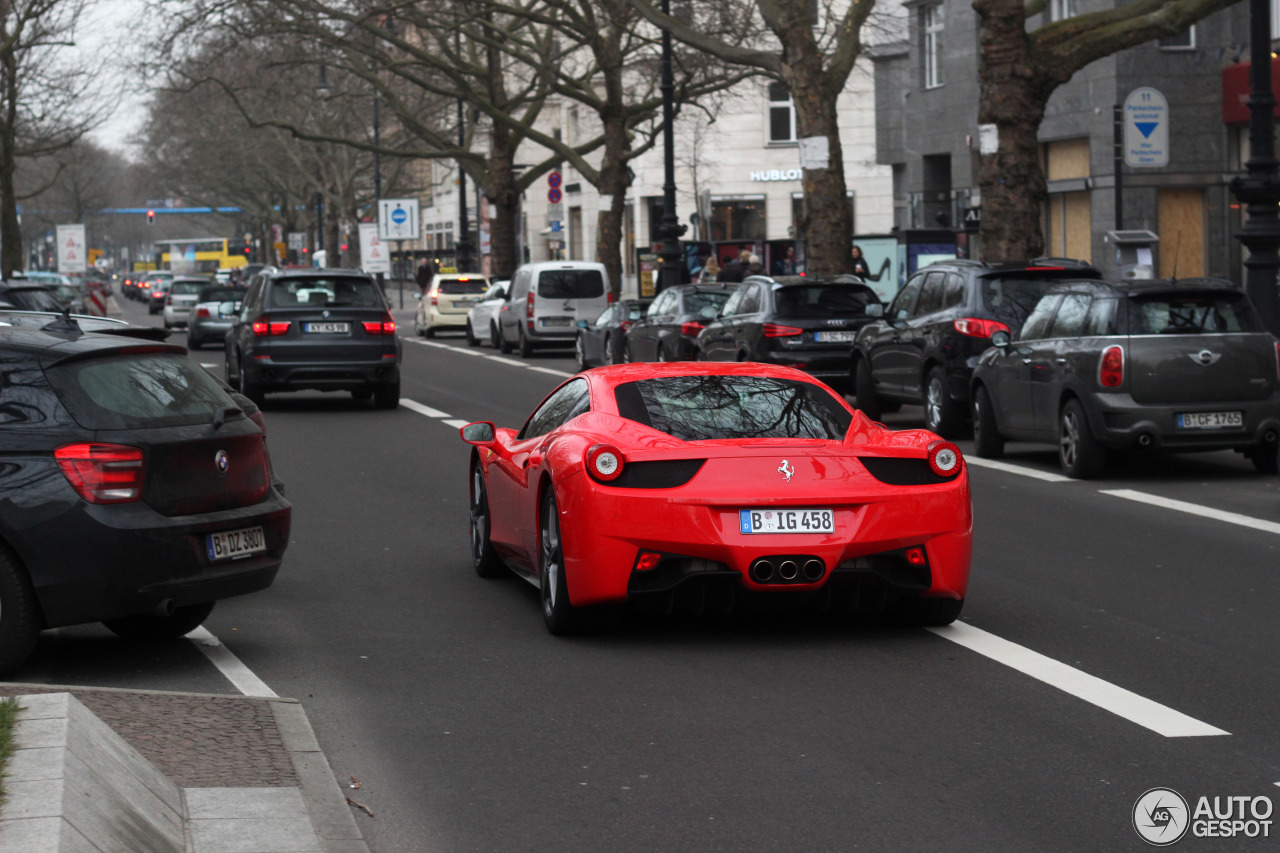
{"x":555,"y":212}
{"x":1146,"y":129}
{"x":398,"y":219}
{"x":553,"y":180}
{"x":72,"y":256}
{"x":374,"y":257}
{"x":554,"y":196}
{"x":972,"y":217}
{"x":555,"y":225}
{"x":297,"y":240}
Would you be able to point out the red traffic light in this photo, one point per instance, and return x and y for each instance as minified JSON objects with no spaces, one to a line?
{"x":151,"y":216}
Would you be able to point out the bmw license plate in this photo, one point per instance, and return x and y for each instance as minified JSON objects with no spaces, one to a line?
{"x":235,"y":543}
{"x":834,"y":337}
{"x":326,"y":328}
{"x":1210,"y":420}
{"x":787,"y":520}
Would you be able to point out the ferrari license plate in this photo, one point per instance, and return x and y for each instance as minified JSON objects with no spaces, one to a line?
{"x":1210,"y":420}
{"x":327,"y":328}
{"x":787,"y":520}
{"x":834,"y":337}
{"x":235,"y":543}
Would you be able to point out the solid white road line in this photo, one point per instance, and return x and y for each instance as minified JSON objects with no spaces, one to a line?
{"x":1047,"y":476}
{"x":422,"y":410}
{"x":1196,"y":509}
{"x":1123,"y":703}
{"x":454,"y":422}
{"x":551,"y":371}
{"x":506,"y":360}
{"x":230,"y":665}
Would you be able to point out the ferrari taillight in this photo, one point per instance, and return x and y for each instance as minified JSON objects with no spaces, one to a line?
{"x":916,"y":557}
{"x":604,"y":462}
{"x":647,"y":561}
{"x":945,"y":459}
{"x":691,"y":328}
{"x":1111,"y":368}
{"x":102,"y":473}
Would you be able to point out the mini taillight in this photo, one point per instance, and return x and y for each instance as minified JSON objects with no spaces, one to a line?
{"x":944,"y":459}
{"x":263,"y":327}
{"x":976,"y":327}
{"x":692,"y":328}
{"x":604,"y":462}
{"x":1111,"y":368}
{"x":773,"y":330}
{"x":202,"y":312}
{"x":647,"y":561}
{"x":102,"y":473}
{"x":386,"y":326}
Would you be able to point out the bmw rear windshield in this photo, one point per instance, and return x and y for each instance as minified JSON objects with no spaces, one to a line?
{"x":702,"y":408}
{"x":137,"y":391}
{"x":570,"y":284}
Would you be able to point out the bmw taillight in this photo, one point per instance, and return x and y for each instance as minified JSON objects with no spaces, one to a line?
{"x":386,"y":326}
{"x":945,"y":459}
{"x":1111,"y":368}
{"x":773,"y":330}
{"x":102,"y":473}
{"x":604,"y":462}
{"x":976,"y":327}
{"x":263,"y":327}
{"x":202,"y":312}
{"x":692,"y":328}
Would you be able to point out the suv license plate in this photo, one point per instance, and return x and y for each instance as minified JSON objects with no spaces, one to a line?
{"x":326,"y":328}
{"x":834,"y":337}
{"x":1210,"y":420}
{"x":786,"y":520}
{"x":235,"y":543}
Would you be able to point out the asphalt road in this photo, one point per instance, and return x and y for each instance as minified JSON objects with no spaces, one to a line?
{"x":472,"y":729}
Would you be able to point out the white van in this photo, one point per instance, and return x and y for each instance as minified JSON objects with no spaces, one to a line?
{"x":546,"y":301}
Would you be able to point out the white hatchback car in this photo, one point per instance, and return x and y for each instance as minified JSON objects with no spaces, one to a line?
{"x":482,"y":319}
{"x":184,"y":293}
{"x":446,"y":303}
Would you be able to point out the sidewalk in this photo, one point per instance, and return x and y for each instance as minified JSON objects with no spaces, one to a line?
{"x":250,"y":771}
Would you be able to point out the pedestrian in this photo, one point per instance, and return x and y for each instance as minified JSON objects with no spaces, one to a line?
{"x":754,"y":266}
{"x":424,"y":276}
{"x":735,"y":271}
{"x":710,"y":271}
{"x":786,"y":265}
{"x":862,"y":269}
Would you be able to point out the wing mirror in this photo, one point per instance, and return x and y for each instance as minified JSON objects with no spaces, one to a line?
{"x":480,"y":434}
{"x":875,"y":309}
{"x":1000,"y":338}
{"x":582,"y":324}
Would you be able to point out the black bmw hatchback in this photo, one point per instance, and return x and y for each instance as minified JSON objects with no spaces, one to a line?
{"x":133,"y":489}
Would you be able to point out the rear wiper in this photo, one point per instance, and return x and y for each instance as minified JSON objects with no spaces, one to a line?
{"x":220,"y":416}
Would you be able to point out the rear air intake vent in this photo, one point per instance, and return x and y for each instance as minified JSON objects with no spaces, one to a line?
{"x":659,"y":474}
{"x":901,"y":472}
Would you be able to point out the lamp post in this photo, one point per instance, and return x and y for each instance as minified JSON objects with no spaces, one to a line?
{"x":670,"y":230}
{"x":462,"y":249}
{"x":1260,"y":188}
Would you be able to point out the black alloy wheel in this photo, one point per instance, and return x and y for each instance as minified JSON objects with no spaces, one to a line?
{"x":559,"y":614}
{"x":941,"y":413}
{"x":987,"y":440}
{"x":526,"y":346}
{"x":20,"y":621}
{"x":484,"y":559}
{"x":387,"y":396}
{"x":154,"y":626}
{"x":251,"y":389}
{"x":504,"y":347}
{"x":1079,"y":453}
{"x":495,"y":338}
{"x":472,"y":340}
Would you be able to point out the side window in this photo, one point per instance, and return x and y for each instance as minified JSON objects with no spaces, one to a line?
{"x":731,"y":307}
{"x":1069,"y":321}
{"x":1101,"y":319}
{"x":750,"y":300}
{"x":930,"y":295}
{"x":666,"y":302}
{"x":252,"y":299}
{"x":605,"y":316}
{"x":953,"y":296}
{"x":905,"y":300}
{"x":569,"y":401}
{"x":1038,"y":323}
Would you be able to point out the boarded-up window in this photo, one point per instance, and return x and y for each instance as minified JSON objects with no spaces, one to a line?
{"x":1067,"y":159}
{"x":1180,"y":215}
{"x":1070,"y":231}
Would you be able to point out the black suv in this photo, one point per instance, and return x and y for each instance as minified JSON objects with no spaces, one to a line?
{"x":925,"y":346}
{"x":135,"y":490}
{"x":326,"y":330}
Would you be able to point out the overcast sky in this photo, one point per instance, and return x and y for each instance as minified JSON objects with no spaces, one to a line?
{"x":112,"y":34}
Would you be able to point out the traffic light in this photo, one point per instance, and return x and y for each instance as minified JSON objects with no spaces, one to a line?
{"x":151,"y":217}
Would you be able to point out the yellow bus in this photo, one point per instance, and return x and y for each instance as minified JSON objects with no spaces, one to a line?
{"x":202,"y":254}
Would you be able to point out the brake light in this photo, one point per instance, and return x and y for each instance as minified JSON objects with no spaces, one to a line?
{"x":604,"y":462}
{"x":915,"y":556}
{"x":611,"y":297}
{"x":945,"y":459}
{"x":435,"y":298}
{"x":386,"y":326}
{"x":168,"y":299}
{"x":528,"y":306}
{"x":692,"y":328}
{"x":1111,"y":368}
{"x":773,"y":330}
{"x":263,"y":327}
{"x":102,"y":473}
{"x":976,"y":327}
{"x":202,"y":312}
{"x":648,"y":561}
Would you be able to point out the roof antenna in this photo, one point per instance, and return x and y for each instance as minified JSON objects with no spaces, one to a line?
{"x":65,"y":324}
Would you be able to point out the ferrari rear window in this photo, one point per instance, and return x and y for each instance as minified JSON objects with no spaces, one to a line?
{"x":701,"y":408}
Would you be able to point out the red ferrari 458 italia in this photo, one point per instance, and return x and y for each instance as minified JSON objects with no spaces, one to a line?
{"x":713,"y":485}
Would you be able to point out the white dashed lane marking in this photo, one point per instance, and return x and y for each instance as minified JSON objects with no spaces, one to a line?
{"x":1047,"y":476}
{"x":229,"y":665}
{"x":1195,"y":509}
{"x":501,"y":359}
{"x":421,"y":409}
{"x":1123,"y":703}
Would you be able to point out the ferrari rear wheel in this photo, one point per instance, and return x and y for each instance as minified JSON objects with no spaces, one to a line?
{"x":560,"y":615}
{"x":927,"y":612}
{"x":484,"y":558}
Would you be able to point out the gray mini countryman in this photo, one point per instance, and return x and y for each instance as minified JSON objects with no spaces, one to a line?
{"x":1151,"y":365}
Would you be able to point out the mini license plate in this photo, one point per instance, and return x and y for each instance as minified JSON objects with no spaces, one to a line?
{"x":787,"y":520}
{"x":326,"y":328}
{"x":235,"y":543}
{"x":556,"y":321}
{"x":1210,"y":420}
{"x":834,"y":337}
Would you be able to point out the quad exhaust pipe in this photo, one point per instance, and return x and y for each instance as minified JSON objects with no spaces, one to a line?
{"x":787,"y":569}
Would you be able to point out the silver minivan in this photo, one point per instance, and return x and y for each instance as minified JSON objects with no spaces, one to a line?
{"x":546,"y":301}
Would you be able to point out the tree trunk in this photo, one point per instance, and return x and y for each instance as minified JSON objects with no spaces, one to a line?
{"x":612,"y":181}
{"x":502,"y":191}
{"x":11,"y":251}
{"x":1013,"y":98}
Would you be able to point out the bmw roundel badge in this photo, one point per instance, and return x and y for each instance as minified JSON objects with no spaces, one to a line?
{"x":221,"y":462}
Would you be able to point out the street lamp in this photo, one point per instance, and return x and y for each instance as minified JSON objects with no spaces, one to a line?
{"x":670,"y":230}
{"x":1260,"y":188}
{"x":462,"y":249}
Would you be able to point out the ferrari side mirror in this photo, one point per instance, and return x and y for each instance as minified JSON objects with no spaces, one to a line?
{"x":480,"y":434}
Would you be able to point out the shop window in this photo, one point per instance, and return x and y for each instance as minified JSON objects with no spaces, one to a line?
{"x":738,"y":220}
{"x":1185,"y":40}
{"x":1060,"y":10}
{"x":782,"y":114}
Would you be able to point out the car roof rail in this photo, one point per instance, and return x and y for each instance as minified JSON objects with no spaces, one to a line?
{"x":1073,"y":263}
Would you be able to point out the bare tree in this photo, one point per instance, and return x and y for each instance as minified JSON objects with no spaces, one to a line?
{"x":1018,"y":71}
